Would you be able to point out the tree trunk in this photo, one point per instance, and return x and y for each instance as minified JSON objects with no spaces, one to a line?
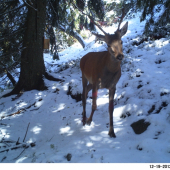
{"x":11,"y":78}
{"x":32,"y":61}
{"x":78,"y":37}
{"x":75,"y":35}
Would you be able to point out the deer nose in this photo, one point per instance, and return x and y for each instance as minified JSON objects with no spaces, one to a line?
{"x":120,"y":57}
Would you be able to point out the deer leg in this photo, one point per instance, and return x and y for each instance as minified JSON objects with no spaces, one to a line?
{"x":89,"y":87}
{"x":111,"y":109}
{"x":84,"y":96}
{"x":94,"y":105}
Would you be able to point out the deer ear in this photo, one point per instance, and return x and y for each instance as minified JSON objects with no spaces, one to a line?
{"x":123,"y":30}
{"x":99,"y":36}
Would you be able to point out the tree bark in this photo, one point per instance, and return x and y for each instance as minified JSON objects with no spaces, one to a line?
{"x":78,"y":37}
{"x":10,"y":77}
{"x":75,"y":35}
{"x":32,"y":61}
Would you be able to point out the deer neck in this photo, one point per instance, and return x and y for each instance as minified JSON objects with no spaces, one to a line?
{"x":113,"y":64}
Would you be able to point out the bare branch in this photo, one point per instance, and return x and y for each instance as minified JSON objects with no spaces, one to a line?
{"x":26,"y":131}
{"x":53,"y":8}
{"x":21,"y":153}
{"x":29,"y":5}
{"x":12,"y":10}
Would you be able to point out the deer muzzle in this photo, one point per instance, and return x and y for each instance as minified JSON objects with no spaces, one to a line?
{"x":120,"y":57}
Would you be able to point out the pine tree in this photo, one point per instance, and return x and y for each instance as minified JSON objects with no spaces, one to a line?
{"x":26,"y":21}
{"x":32,"y":63}
{"x":11,"y":35}
{"x":157,"y":16}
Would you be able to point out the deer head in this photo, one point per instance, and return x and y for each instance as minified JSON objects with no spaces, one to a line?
{"x":114,"y":41}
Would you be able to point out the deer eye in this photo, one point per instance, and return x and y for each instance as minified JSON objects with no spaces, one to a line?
{"x":112,"y":52}
{"x":108,"y":45}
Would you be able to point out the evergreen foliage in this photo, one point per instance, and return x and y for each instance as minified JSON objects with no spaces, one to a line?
{"x":157,"y":16}
{"x":97,"y":7}
{"x":12,"y":28}
{"x":66,"y":19}
{"x":14,"y":22}
{"x":80,"y":4}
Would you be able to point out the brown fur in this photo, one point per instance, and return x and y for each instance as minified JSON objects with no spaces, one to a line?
{"x":102,"y":70}
{"x":99,"y":68}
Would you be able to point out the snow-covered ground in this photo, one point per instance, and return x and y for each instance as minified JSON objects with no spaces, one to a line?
{"x":53,"y":118}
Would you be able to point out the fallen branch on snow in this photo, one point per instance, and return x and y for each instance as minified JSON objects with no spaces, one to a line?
{"x":19,"y":111}
{"x":16,"y":145}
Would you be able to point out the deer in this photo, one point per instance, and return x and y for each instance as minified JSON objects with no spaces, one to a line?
{"x":103,"y":70}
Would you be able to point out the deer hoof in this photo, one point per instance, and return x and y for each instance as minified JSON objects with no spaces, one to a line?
{"x":112,"y":134}
{"x":84,"y":120}
{"x":88,"y":122}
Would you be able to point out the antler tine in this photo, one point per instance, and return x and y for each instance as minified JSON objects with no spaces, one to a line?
{"x":123,"y":15}
{"x":91,"y":18}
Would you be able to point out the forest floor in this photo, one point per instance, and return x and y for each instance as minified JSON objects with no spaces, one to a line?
{"x":46,"y":127}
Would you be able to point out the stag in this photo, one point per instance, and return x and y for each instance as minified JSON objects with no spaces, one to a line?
{"x":103,"y":70}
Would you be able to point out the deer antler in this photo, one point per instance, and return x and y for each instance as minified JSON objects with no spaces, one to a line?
{"x":123,"y":15}
{"x":91,"y":18}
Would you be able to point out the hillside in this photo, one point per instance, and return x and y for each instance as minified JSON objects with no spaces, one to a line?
{"x":53,"y":118}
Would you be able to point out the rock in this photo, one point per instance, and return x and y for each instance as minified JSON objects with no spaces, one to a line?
{"x":68,"y":156}
{"x":74,"y":90}
{"x":140,"y":126}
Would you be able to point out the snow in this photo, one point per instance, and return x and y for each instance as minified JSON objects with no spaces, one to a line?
{"x":161,"y":10}
{"x":110,"y":1}
{"x":55,"y":118}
